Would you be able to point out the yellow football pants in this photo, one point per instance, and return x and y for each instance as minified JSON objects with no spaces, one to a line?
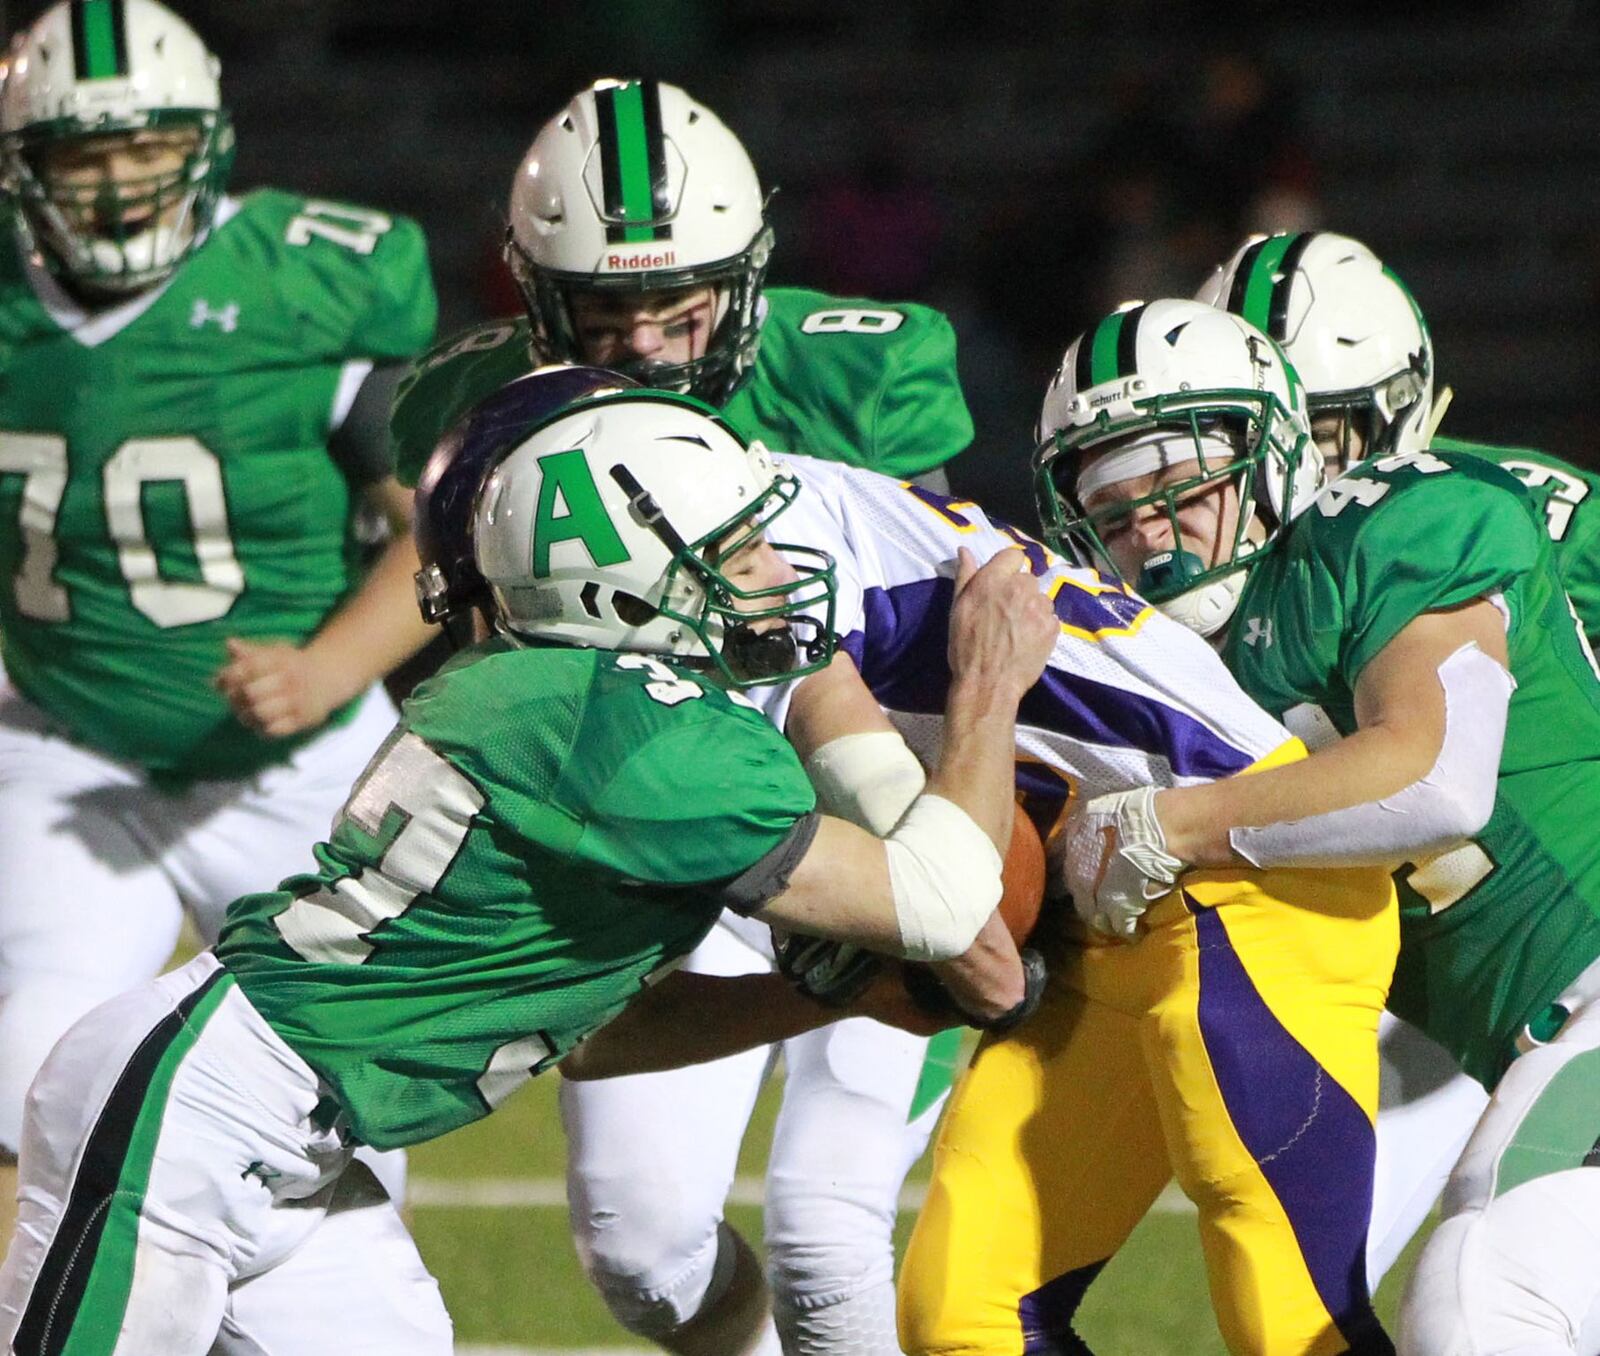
{"x":1234,"y":1044}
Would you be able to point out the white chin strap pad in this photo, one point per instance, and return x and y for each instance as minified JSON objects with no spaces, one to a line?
{"x":868,"y":779}
{"x":1452,"y":802}
{"x":1207,"y":609}
{"x":946,"y":878}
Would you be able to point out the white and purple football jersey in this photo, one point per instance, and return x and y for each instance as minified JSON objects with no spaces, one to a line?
{"x":1129,"y":698}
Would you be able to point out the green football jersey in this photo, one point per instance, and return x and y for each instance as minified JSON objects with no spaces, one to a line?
{"x":859,"y":382}
{"x":1493,"y":930}
{"x":1571,"y":500}
{"x":168,"y":485}
{"x":544,"y":831}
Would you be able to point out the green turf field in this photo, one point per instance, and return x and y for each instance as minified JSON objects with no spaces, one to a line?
{"x":490,"y":1220}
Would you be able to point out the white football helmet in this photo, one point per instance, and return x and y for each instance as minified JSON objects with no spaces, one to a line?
{"x":636,"y":187}
{"x":1352,"y":329}
{"x":604,"y":527}
{"x":98,"y":69}
{"x":1167,"y":383}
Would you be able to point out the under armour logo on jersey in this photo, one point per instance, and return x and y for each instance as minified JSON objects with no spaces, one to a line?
{"x":1258,"y":629}
{"x":226,"y":317}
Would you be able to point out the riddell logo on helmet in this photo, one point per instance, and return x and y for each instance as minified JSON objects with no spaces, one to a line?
{"x":638,"y":258}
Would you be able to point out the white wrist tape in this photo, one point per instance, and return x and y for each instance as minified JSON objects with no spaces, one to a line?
{"x":869,"y":779}
{"x":1452,"y":802}
{"x":946,"y":878}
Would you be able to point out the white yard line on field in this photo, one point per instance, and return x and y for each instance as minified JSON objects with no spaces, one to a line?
{"x":550,"y":1193}
{"x":556,"y":1351}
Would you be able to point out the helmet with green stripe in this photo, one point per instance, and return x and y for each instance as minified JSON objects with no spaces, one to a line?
{"x":636,"y":520}
{"x":1174,"y":449}
{"x":635,"y":190}
{"x":1352,"y":329}
{"x":114,"y":141}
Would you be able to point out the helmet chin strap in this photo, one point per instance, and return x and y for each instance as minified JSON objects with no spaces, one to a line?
{"x":1441,"y":403}
{"x":653,"y":372}
{"x":1168,"y":571}
{"x":1204,"y":609}
{"x":770,"y":654}
{"x":1207,"y":609}
{"x":753,"y":654}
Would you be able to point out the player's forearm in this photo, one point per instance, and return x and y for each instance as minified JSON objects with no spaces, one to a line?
{"x":376,"y":629}
{"x":977,"y":764}
{"x":689,"y":1019}
{"x":1367,"y":766}
{"x":1417,"y":777}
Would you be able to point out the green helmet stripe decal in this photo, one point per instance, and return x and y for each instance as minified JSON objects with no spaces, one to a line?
{"x":99,"y":39}
{"x":1241,"y":276}
{"x":1255,"y":305}
{"x":1128,"y":341}
{"x":1082,"y":368}
{"x":1278,"y":311}
{"x":1110,"y":350}
{"x":1103,"y":349}
{"x":633,"y":162}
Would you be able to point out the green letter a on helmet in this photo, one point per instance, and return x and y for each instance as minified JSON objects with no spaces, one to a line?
{"x":565,"y":480}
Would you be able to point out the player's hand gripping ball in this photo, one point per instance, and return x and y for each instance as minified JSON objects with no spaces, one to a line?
{"x":838,"y":973}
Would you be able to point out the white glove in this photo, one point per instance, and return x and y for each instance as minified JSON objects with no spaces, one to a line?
{"x":1116,"y":860}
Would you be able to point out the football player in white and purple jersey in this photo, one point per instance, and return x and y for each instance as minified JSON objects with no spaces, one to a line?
{"x":1233,"y":1046}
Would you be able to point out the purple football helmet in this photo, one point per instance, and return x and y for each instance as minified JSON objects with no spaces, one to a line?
{"x":448,"y":584}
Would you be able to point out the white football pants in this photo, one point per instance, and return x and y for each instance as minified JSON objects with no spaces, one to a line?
{"x":1426,"y":1109}
{"x":1514,"y":1267}
{"x":180,"y":1196}
{"x":651,"y":1159}
{"x":97,"y":867}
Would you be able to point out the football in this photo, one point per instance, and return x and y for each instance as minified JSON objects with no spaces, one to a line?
{"x":1022,"y":878}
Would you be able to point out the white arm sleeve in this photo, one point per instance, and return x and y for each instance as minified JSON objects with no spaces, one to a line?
{"x":946,"y":878}
{"x":869,"y":779}
{"x":1451,"y":802}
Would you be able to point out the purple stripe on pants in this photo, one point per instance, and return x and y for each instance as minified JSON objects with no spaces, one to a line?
{"x":1311,"y":1140}
{"x":1046,"y":1313}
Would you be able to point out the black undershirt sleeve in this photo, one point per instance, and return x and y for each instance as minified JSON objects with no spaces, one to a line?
{"x":360,"y":446}
{"x":769,"y":876}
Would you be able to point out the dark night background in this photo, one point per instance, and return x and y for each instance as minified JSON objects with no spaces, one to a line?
{"x":1023,"y":165}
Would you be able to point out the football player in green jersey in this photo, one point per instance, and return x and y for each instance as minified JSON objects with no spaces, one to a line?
{"x":1410,"y":625}
{"x":193,"y":395}
{"x":639,"y":238}
{"x":555,"y":822}
{"x":1359,"y":340}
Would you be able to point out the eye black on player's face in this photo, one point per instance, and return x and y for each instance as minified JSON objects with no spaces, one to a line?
{"x":666,"y":327}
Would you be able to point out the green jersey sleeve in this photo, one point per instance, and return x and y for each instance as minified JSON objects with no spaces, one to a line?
{"x":1406,"y":535}
{"x":862,"y":382}
{"x":360,"y":277}
{"x":696,"y":805}
{"x":1570,"y":499}
{"x":448,"y":380}
{"x":678,"y":784}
